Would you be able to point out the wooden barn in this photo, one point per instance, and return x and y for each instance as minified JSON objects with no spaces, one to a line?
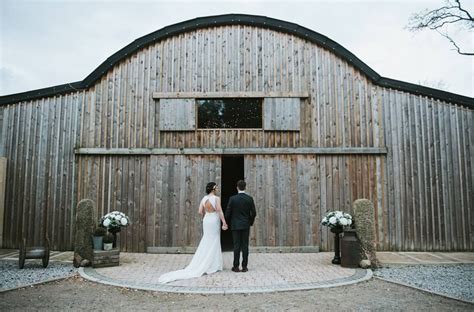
{"x":308,"y":125}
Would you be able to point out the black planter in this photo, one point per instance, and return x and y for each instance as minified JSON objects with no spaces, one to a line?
{"x":337,"y":255}
{"x":350,"y":249}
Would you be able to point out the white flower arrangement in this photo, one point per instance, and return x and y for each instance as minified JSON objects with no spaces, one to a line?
{"x":114,"y":219}
{"x":337,"y":219}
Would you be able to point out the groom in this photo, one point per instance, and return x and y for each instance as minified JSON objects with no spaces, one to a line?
{"x":241,"y":214}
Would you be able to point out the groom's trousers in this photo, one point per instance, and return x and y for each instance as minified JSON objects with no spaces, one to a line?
{"x":241,"y":243}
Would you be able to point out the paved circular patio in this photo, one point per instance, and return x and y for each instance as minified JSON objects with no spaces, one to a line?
{"x":268,"y":272}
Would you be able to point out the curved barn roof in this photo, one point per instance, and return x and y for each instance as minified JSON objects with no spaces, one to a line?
{"x":239,"y":19}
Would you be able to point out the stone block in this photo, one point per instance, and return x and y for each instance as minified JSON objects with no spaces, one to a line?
{"x":364,"y":221}
{"x":85,"y":224}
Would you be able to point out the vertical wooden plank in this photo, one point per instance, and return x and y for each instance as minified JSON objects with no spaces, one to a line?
{"x":425,"y":178}
{"x":49,"y":142}
{"x":18,"y":218}
{"x":399,"y":176}
{"x":431,"y":172}
{"x":75,"y":180}
{"x":467,"y":165}
{"x":442,"y":186}
{"x":159,"y":197}
{"x":29,"y":159}
{"x":418,"y":176}
{"x":324,"y":202}
{"x":470,"y":167}
{"x":450,"y":207}
{"x":68,"y":164}
{"x":3,"y":130}
{"x":58,"y":156}
{"x":38,"y":191}
{"x":386,"y":127}
{"x":411,"y":219}
{"x":9,"y":194}
{"x":436,"y":167}
{"x":462,"y":178}
{"x":456,"y":208}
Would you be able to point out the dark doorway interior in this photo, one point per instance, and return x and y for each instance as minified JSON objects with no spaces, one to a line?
{"x":232,"y":171}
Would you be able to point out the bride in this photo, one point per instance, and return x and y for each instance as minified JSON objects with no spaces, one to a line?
{"x":208,"y":256}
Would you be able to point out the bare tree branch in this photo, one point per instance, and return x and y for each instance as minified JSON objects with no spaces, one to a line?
{"x":454,"y":44}
{"x":463,"y":10}
{"x":439,"y":20}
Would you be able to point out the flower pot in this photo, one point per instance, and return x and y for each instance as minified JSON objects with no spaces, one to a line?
{"x":108,"y":246}
{"x":98,"y":242}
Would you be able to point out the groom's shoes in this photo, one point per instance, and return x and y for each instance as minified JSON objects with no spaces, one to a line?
{"x":244,"y":269}
{"x":234,"y":269}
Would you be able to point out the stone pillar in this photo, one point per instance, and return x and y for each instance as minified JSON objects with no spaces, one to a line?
{"x":3,"y":178}
{"x":85,"y":224}
{"x":364,"y":220}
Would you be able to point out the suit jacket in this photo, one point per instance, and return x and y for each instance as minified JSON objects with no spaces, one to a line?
{"x":240,"y":211}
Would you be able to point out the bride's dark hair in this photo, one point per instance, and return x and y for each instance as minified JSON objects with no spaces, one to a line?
{"x":210,"y":187}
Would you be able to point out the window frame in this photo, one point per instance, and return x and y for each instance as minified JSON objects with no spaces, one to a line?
{"x":261,"y":103}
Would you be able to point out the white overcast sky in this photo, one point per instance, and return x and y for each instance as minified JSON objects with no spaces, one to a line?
{"x":51,"y":42}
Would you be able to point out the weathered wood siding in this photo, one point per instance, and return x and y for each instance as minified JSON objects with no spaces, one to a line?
{"x":120,"y":110}
{"x":294,"y":192}
{"x":160,"y":194}
{"x":422,"y":188}
{"x":281,"y":114}
{"x":177,"y":185}
{"x":177,"y":114}
{"x":430,"y":173}
{"x":38,"y":139}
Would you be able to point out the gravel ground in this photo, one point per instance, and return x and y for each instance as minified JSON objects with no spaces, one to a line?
{"x":75,"y":293}
{"x":33,"y":272}
{"x":455,"y":280}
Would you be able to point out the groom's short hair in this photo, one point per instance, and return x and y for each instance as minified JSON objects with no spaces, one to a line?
{"x":241,"y":185}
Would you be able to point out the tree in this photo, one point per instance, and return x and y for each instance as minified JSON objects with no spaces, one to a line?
{"x":451,"y":14}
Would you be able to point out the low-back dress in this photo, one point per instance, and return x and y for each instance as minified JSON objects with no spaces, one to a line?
{"x":208,"y":256}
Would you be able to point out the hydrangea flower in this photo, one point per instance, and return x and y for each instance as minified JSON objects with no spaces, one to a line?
{"x":114,"y":219}
{"x":337,"y":219}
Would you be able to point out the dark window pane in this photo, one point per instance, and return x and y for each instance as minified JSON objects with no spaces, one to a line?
{"x":230,"y":113}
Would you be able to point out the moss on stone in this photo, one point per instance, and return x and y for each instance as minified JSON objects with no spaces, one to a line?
{"x":365,"y":227}
{"x":85,"y":224}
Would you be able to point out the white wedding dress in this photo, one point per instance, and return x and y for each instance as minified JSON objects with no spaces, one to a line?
{"x":208,"y":256}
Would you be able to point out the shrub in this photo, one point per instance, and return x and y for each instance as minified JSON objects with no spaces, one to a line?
{"x":100,"y":231}
{"x":108,"y":239}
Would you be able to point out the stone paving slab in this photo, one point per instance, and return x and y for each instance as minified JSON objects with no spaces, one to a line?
{"x":267,"y":273}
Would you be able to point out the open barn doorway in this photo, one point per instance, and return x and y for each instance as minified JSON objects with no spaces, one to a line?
{"x":232,"y":171}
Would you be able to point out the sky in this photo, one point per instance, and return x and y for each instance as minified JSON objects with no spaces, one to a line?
{"x":45,"y":43}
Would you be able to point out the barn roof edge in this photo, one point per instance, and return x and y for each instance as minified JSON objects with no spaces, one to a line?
{"x":238,"y":19}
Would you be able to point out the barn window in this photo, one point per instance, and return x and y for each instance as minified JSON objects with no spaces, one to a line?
{"x":229,"y":113}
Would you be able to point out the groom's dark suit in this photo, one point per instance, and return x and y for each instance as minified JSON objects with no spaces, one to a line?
{"x":241,"y":214}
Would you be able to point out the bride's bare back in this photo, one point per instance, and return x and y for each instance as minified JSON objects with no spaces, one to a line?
{"x":208,"y":207}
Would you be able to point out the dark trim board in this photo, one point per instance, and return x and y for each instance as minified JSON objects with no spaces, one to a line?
{"x":240,"y":19}
{"x":233,"y":151}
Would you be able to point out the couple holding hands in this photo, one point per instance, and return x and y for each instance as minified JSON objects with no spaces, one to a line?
{"x":240,"y":212}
